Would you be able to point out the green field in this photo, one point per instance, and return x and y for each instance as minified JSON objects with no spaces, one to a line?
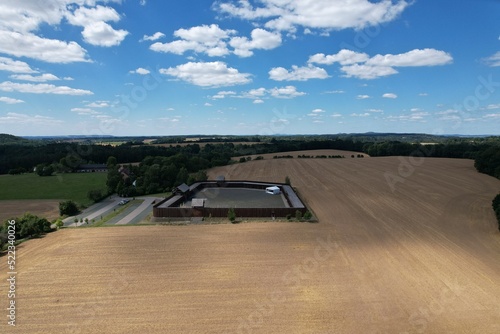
{"x":62,"y":186}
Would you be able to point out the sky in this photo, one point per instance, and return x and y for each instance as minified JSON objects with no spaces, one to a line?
{"x":249,"y":67}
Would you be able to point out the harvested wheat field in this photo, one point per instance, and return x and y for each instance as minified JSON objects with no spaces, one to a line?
{"x":15,"y":208}
{"x":422,"y":256}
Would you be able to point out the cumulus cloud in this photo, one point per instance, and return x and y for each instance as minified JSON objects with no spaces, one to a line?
{"x":141,"y":71}
{"x":258,"y":95}
{"x":361,"y":66}
{"x":99,"y":104}
{"x":320,"y":14}
{"x":8,"y":86}
{"x":214,"y":41}
{"x":297,"y":73}
{"x":15,"y":66}
{"x":207,"y":39}
{"x":48,"y":50}
{"x":10,"y":100}
{"x":96,"y":30}
{"x":494,"y":60}
{"x":208,"y":74}
{"x":260,"y":39}
{"x":223,"y":94}
{"x":20,"y":28}
{"x":288,"y":92}
{"x":390,"y":96}
{"x":38,"y":78}
{"x":363,"y":97}
{"x":156,"y":36}
{"x":35,"y":120}
{"x":343,"y":57}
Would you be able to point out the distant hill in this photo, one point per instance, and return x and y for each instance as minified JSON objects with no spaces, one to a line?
{"x":10,"y":139}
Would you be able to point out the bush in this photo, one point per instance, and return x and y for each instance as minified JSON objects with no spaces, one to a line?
{"x":44,"y":170}
{"x":288,"y":217}
{"x":68,"y":208}
{"x":288,"y":181}
{"x":298,"y":215}
{"x":231,"y":215}
{"x":59,"y":223}
{"x":29,"y":225}
{"x":307,"y":215}
{"x":95,"y":195}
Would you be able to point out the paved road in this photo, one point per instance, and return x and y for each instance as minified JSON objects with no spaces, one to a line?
{"x":94,"y":211}
{"x":107,"y":206}
{"x":146,"y":205}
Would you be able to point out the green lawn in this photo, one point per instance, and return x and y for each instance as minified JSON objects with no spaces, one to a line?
{"x":62,"y":186}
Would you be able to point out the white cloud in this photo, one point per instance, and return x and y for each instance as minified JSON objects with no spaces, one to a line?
{"x":102,"y":34}
{"x":208,"y":74}
{"x":336,"y":115}
{"x":207,"y":39}
{"x":259,"y":94}
{"x":374,"y":110}
{"x":323,"y":14}
{"x":343,"y":57}
{"x":96,"y":30}
{"x":258,"y":101}
{"x":214,"y":41}
{"x":367,"y":72}
{"x":8,"y":86}
{"x":494,"y":60}
{"x":99,"y":104}
{"x":141,"y":71}
{"x":156,"y":36}
{"x":361,"y":66}
{"x":423,"y":94}
{"x":492,"y":106}
{"x":363,"y":97}
{"x":390,"y":96}
{"x":297,"y":73}
{"x":20,"y":25}
{"x":287,"y":92}
{"x":223,"y":94}
{"x":10,"y":100}
{"x":39,"y":78}
{"x":335,"y":92}
{"x":366,"y":114}
{"x":208,"y":104}
{"x":260,"y":39}
{"x":414,"y":117}
{"x":413,"y":58}
{"x":15,"y":66}
{"x":85,"y":111}
{"x":48,"y":50}
{"x":317,"y":111}
{"x":36,"y":120}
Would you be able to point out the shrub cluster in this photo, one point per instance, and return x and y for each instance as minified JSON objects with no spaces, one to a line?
{"x":27,"y":226}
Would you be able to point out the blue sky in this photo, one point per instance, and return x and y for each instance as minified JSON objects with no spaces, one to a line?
{"x":143,"y":67}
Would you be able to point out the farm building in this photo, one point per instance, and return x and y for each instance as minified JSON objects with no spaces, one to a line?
{"x":92,"y":168}
{"x":214,"y":198}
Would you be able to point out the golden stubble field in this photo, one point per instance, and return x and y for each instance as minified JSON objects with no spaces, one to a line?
{"x":422,"y":256}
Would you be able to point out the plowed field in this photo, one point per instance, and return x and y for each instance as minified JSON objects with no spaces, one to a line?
{"x":402,"y":246}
